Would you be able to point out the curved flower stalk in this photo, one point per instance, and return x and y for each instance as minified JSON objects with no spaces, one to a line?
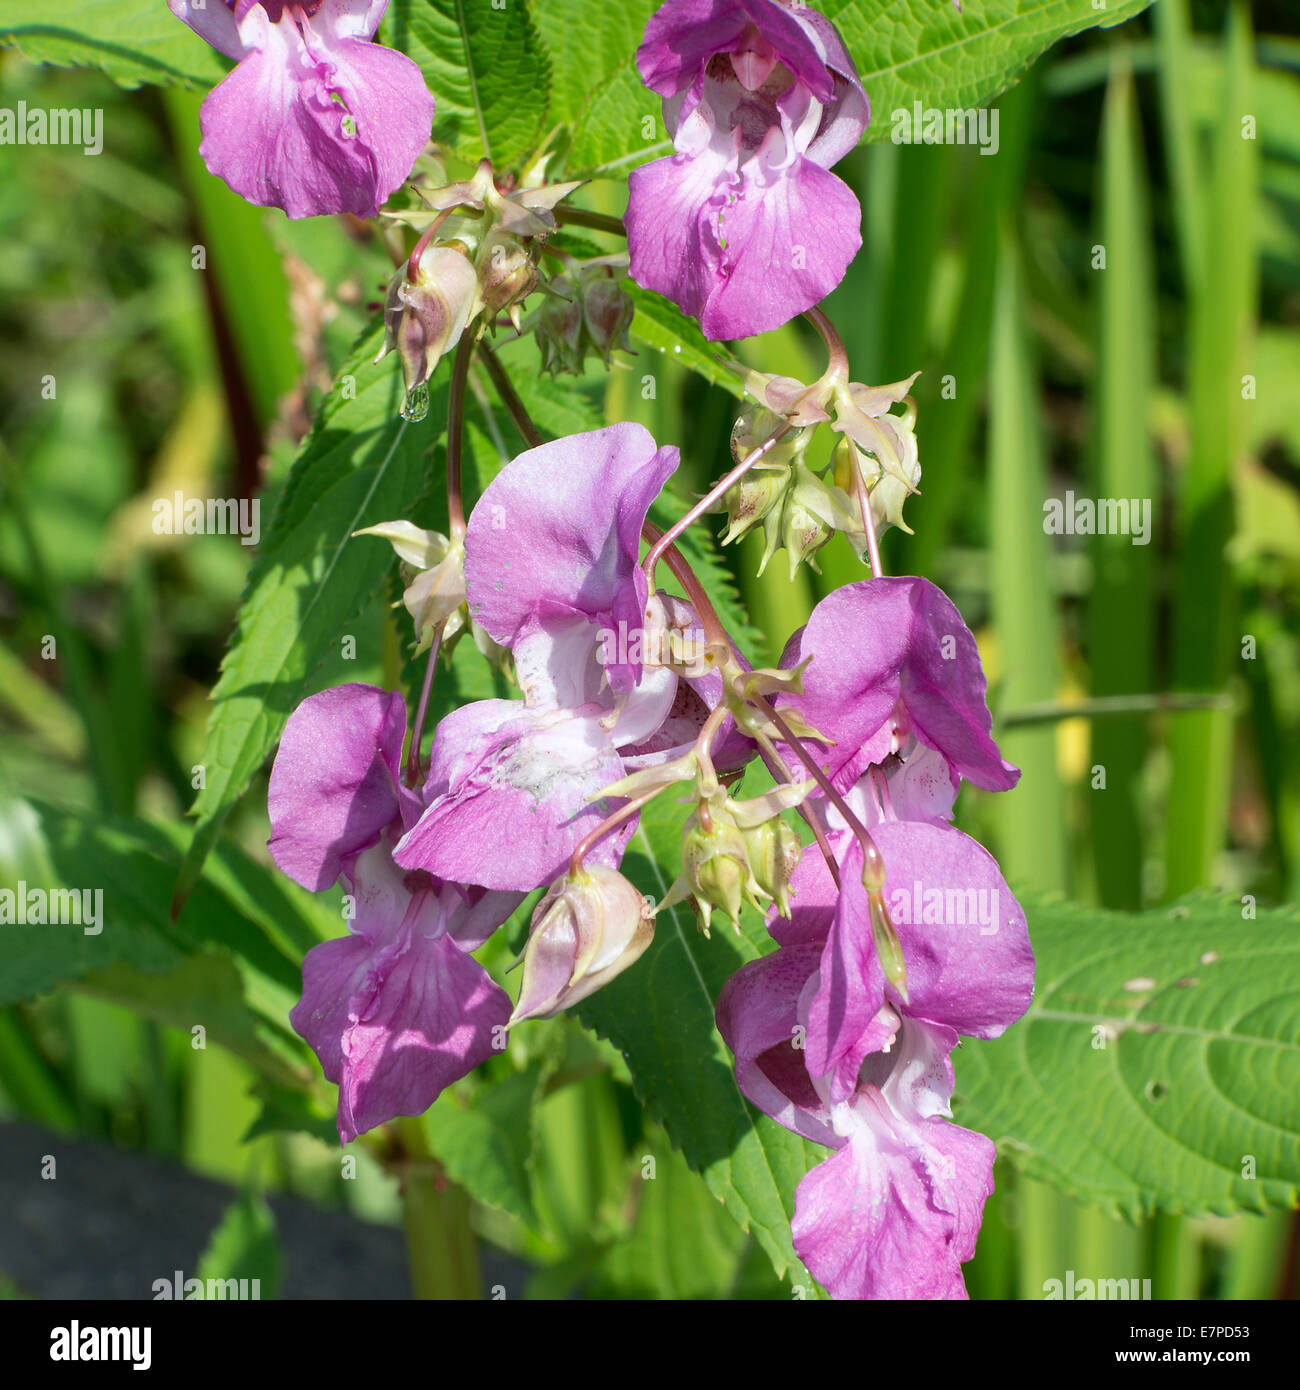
{"x":315,"y":118}
{"x":827,"y":1040}
{"x":744,"y":226}
{"x":397,"y":1009}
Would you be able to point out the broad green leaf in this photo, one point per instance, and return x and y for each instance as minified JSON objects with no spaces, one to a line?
{"x":661,"y":325}
{"x":683,"y":1246}
{"x":596,"y":90}
{"x":131,"y":866}
{"x":487,"y":1144}
{"x":926,"y":50}
{"x":290,"y":1110}
{"x":485,"y":66}
{"x":360,"y":465}
{"x":133,"y":41}
{"x":1158,"y":1066}
{"x":201,"y":991}
{"x":659,"y":1015}
{"x":244,"y":1246}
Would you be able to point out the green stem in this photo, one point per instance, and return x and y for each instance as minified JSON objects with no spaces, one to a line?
{"x":440,"y":1242}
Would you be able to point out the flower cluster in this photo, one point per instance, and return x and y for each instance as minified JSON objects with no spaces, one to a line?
{"x":897,"y":934}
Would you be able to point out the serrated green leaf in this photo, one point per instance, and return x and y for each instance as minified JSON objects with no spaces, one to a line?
{"x":928,"y":51}
{"x":244,"y":1246}
{"x":486,"y":67}
{"x":133,"y":41}
{"x":660,"y":1016}
{"x":360,"y":465}
{"x":662,"y":326}
{"x":487,"y":1146}
{"x":596,"y":90}
{"x":1199,"y":1013}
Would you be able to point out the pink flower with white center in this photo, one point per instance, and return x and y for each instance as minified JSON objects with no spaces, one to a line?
{"x":316,"y":118}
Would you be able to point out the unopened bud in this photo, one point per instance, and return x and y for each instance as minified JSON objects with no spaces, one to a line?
{"x":424,"y":317}
{"x":884,"y":937}
{"x":715,"y":865}
{"x":507,"y":274}
{"x":589,"y":928}
{"x":774,"y":852}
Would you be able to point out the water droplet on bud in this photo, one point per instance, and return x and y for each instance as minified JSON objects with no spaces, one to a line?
{"x":416,"y":405}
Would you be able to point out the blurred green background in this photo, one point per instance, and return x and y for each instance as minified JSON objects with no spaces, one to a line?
{"x":1046,"y":368}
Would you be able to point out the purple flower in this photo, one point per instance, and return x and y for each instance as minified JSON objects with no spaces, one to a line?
{"x":743,"y":226}
{"x":823,"y":1040}
{"x":397,"y":1009}
{"x":315,"y":118}
{"x":825,"y":1045}
{"x":894,"y":667}
{"x":551,"y":572}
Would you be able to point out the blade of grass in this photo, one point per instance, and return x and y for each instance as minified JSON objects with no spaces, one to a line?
{"x":1120,"y":618}
{"x":1205,"y":638}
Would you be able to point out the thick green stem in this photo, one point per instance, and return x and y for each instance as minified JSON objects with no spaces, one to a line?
{"x":440,"y":1242}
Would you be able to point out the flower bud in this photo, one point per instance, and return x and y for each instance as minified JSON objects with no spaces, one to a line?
{"x":433,"y":569}
{"x":589,"y":928}
{"x":774,"y":852}
{"x":424,"y":317}
{"x":607,"y":310}
{"x":715,"y":865}
{"x":507,"y":274}
{"x":884,"y":937}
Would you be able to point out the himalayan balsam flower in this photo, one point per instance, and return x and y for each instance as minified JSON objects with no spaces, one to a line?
{"x":315,"y":118}
{"x":551,"y":572}
{"x":744,"y":227}
{"x":823,"y":1041}
{"x":397,"y":1009}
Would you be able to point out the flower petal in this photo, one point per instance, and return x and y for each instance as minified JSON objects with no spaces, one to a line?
{"x":334,"y":784}
{"x":787,"y":245}
{"x":556,"y":535}
{"x":508,"y":796}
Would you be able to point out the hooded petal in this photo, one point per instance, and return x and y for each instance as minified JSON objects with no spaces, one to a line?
{"x":787,"y":245}
{"x":556,"y":536}
{"x":507,"y":796}
{"x":965,"y":941}
{"x":758,"y":1016}
{"x":880,"y":641}
{"x":334,"y":784}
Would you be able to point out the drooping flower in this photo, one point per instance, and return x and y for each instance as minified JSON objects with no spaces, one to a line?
{"x":743,"y":226}
{"x":315,"y":118}
{"x":397,"y":1009}
{"x":551,"y":571}
{"x":590,"y":927}
{"x":827,"y":1047}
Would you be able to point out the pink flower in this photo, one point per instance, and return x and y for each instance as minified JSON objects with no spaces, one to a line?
{"x":315,"y":118}
{"x":743,"y":226}
{"x":397,"y":1009}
